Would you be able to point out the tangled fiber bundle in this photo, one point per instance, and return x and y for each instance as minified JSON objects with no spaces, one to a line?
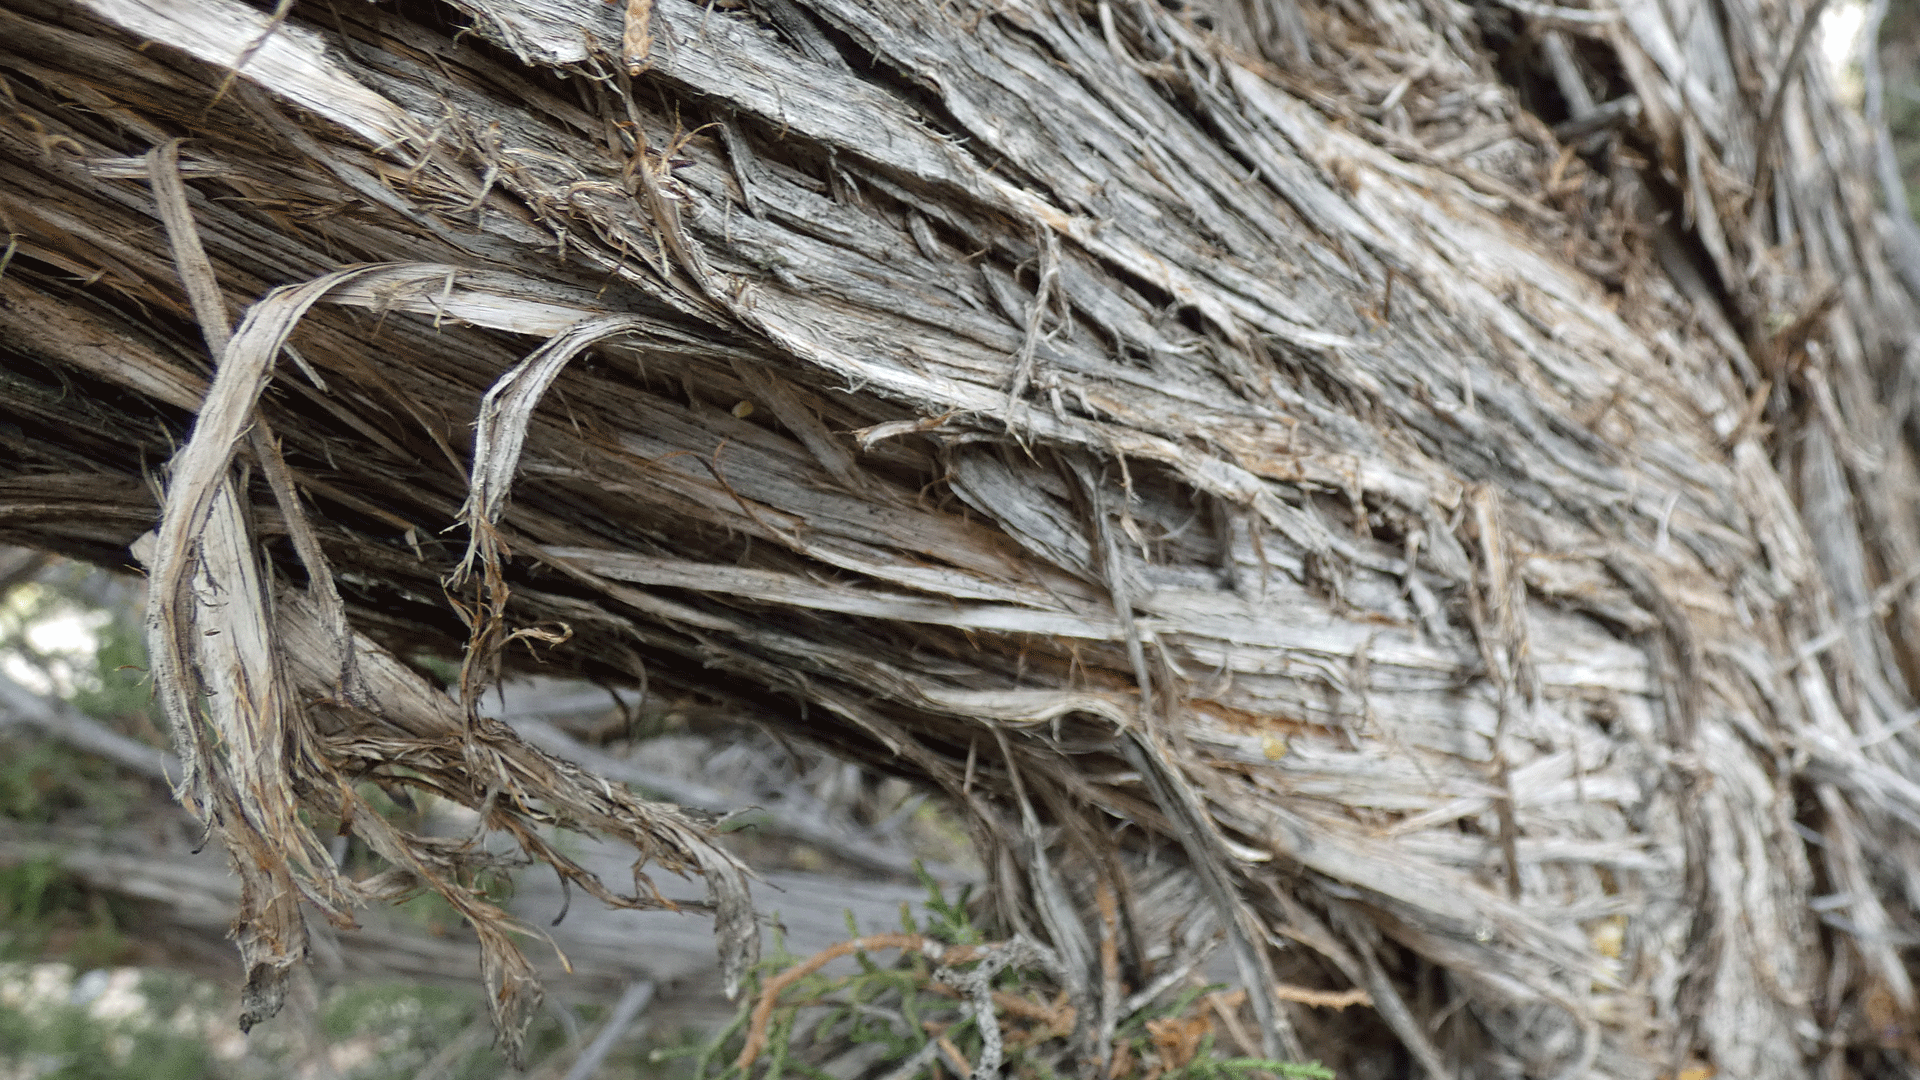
{"x":1419,"y":493}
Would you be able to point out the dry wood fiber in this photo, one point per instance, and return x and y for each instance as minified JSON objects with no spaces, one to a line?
{"x":1238,"y":451}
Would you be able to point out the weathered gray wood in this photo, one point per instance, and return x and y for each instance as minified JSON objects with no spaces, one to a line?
{"x":1479,"y":542}
{"x":193,"y":895}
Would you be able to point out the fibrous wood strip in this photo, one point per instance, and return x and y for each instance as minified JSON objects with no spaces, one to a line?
{"x":1484,"y":540}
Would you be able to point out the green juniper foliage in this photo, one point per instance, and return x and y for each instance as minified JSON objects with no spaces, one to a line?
{"x":885,"y":1016}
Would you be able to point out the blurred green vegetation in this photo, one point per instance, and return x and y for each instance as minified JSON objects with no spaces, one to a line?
{"x":44,"y":912}
{"x":63,"y":1040}
{"x":1900,"y":67}
{"x":178,"y":1027}
{"x":395,"y":1029}
{"x":903,"y":1008}
{"x":97,"y":665}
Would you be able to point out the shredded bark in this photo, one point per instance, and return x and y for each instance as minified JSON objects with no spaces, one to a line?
{"x":1240,"y":452}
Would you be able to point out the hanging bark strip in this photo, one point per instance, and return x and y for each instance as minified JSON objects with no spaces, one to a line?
{"x":1406,"y":648}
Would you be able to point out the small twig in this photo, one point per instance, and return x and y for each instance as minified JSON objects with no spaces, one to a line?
{"x":978,"y":985}
{"x":770,"y":994}
{"x":1770,"y":127}
{"x":1619,"y":112}
{"x":636,"y":36}
{"x":1049,"y":271}
{"x":1322,"y":999}
{"x":1167,"y":981}
{"x":1226,"y":1006}
{"x":920,"y":1059}
{"x":1566,"y":74}
{"x":954,"y":1057}
{"x":441,"y":1065}
{"x":1555,"y":13}
{"x":625,"y":1012}
{"x":274,"y":22}
{"x":1109,"y":971}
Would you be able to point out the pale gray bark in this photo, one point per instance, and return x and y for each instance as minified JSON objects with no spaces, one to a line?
{"x":1254,"y":469}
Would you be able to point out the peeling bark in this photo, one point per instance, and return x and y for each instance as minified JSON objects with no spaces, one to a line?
{"x":1240,"y":453}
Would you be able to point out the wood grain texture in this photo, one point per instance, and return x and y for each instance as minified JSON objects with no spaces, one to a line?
{"x":1291,"y":479}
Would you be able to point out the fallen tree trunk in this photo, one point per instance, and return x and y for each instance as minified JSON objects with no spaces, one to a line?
{"x":188,"y":900}
{"x":1240,"y":453}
